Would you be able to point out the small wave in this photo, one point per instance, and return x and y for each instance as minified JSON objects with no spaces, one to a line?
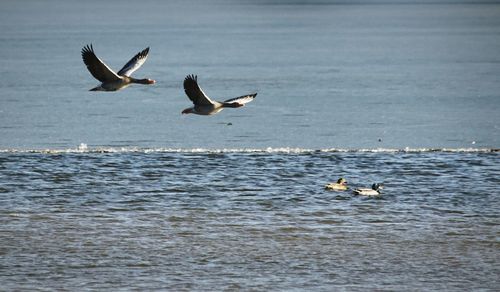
{"x":83,"y":148}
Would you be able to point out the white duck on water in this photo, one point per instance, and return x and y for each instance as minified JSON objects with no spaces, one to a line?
{"x":374,"y":191}
{"x":112,"y":81}
{"x":203,"y":105}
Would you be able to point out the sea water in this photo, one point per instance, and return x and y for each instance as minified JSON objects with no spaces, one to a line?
{"x":250,"y":220}
{"x":107,"y":191}
{"x":327,"y":75}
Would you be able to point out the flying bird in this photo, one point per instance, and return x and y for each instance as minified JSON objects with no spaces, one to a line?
{"x":112,"y":81}
{"x":203,"y":105}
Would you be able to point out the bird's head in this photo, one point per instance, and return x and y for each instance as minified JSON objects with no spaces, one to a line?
{"x":342,"y":181}
{"x":187,"y":111}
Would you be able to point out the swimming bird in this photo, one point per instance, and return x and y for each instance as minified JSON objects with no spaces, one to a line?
{"x":112,"y":81}
{"x":340,"y":185}
{"x":203,"y":105}
{"x":374,"y":191}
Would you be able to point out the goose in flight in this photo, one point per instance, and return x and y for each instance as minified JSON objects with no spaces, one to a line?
{"x":112,"y":81}
{"x":203,"y":105}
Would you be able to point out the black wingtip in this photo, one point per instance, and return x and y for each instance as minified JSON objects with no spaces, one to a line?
{"x":87,"y":49}
{"x":144,"y":52}
{"x":252,"y":95}
{"x":191,"y":77}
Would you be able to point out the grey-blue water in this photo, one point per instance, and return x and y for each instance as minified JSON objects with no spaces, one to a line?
{"x":119,"y":191}
{"x":249,"y":221}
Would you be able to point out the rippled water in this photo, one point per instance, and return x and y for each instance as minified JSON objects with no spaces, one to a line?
{"x":400,"y":92}
{"x":214,"y":220}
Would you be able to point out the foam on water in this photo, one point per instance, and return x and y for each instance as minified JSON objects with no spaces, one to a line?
{"x":84,"y":148}
{"x":194,"y":219}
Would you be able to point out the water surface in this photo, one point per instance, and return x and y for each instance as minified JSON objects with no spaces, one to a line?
{"x":328,"y":75}
{"x":248,"y":220}
{"x":107,"y":191}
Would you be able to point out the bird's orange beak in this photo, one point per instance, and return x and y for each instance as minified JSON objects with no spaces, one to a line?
{"x":151,"y":81}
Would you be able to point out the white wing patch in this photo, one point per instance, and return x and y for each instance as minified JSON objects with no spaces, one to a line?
{"x":242,"y":99}
{"x":134,"y":63}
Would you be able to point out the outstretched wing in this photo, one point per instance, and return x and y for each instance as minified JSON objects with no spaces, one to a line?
{"x":242,"y":99}
{"x":97,"y":67}
{"x":134,"y":63}
{"x":194,"y":92}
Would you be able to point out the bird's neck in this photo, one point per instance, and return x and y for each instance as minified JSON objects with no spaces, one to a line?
{"x":142,"y":81}
{"x":232,"y":104}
